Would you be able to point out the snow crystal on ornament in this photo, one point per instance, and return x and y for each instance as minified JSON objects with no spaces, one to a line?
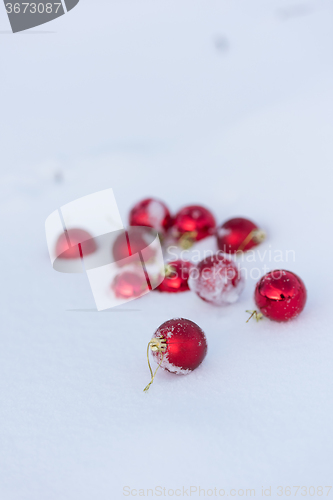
{"x":186,"y":346}
{"x":170,"y":367}
{"x":217,"y":280}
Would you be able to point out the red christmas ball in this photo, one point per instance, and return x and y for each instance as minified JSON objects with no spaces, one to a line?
{"x":280,"y":295}
{"x":176,"y":277}
{"x":131,"y":242}
{"x":185,"y":346}
{"x":73,"y":238}
{"x":217,"y":280}
{"x":129,"y":285}
{"x":151,"y":213}
{"x":238,"y":235}
{"x":193,"y":223}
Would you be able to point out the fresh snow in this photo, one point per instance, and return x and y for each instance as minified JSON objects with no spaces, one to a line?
{"x":141,"y":97}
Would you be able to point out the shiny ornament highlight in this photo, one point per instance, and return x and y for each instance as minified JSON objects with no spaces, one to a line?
{"x":176,"y":277}
{"x":178,"y":346}
{"x":193,"y":223}
{"x":75,"y":243}
{"x":151,"y":212}
{"x":129,"y":285}
{"x":239,"y":235}
{"x":132,"y":241}
{"x":280,"y":295}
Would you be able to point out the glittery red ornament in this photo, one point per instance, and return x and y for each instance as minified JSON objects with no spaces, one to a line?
{"x":280,"y":295}
{"x":179,"y":346}
{"x":151,"y":213}
{"x":193,"y":223}
{"x":129,"y":285}
{"x":217,"y":280}
{"x":238,"y":235}
{"x":131,"y":242}
{"x":176,"y":277}
{"x":67,"y":246}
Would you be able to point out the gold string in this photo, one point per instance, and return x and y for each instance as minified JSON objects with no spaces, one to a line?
{"x":156,"y":344}
{"x":168,"y":270}
{"x":258,"y":235}
{"x":187,"y":239}
{"x":257,"y":315}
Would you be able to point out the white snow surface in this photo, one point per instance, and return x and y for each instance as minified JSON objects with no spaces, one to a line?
{"x":143,"y":96}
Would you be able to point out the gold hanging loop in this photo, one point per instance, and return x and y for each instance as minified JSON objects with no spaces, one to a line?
{"x":156,"y":344}
{"x":255,"y":314}
{"x":187,"y":240}
{"x":257,"y":235}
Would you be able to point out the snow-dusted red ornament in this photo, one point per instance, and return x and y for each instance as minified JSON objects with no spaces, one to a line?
{"x":152,"y":213}
{"x":280,"y":295}
{"x":132,"y":241}
{"x":178,"y":346}
{"x":75,"y":243}
{"x":128,"y":285}
{"x":238,"y":235}
{"x":217,"y":280}
{"x":176,"y":277}
{"x":193,"y":223}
